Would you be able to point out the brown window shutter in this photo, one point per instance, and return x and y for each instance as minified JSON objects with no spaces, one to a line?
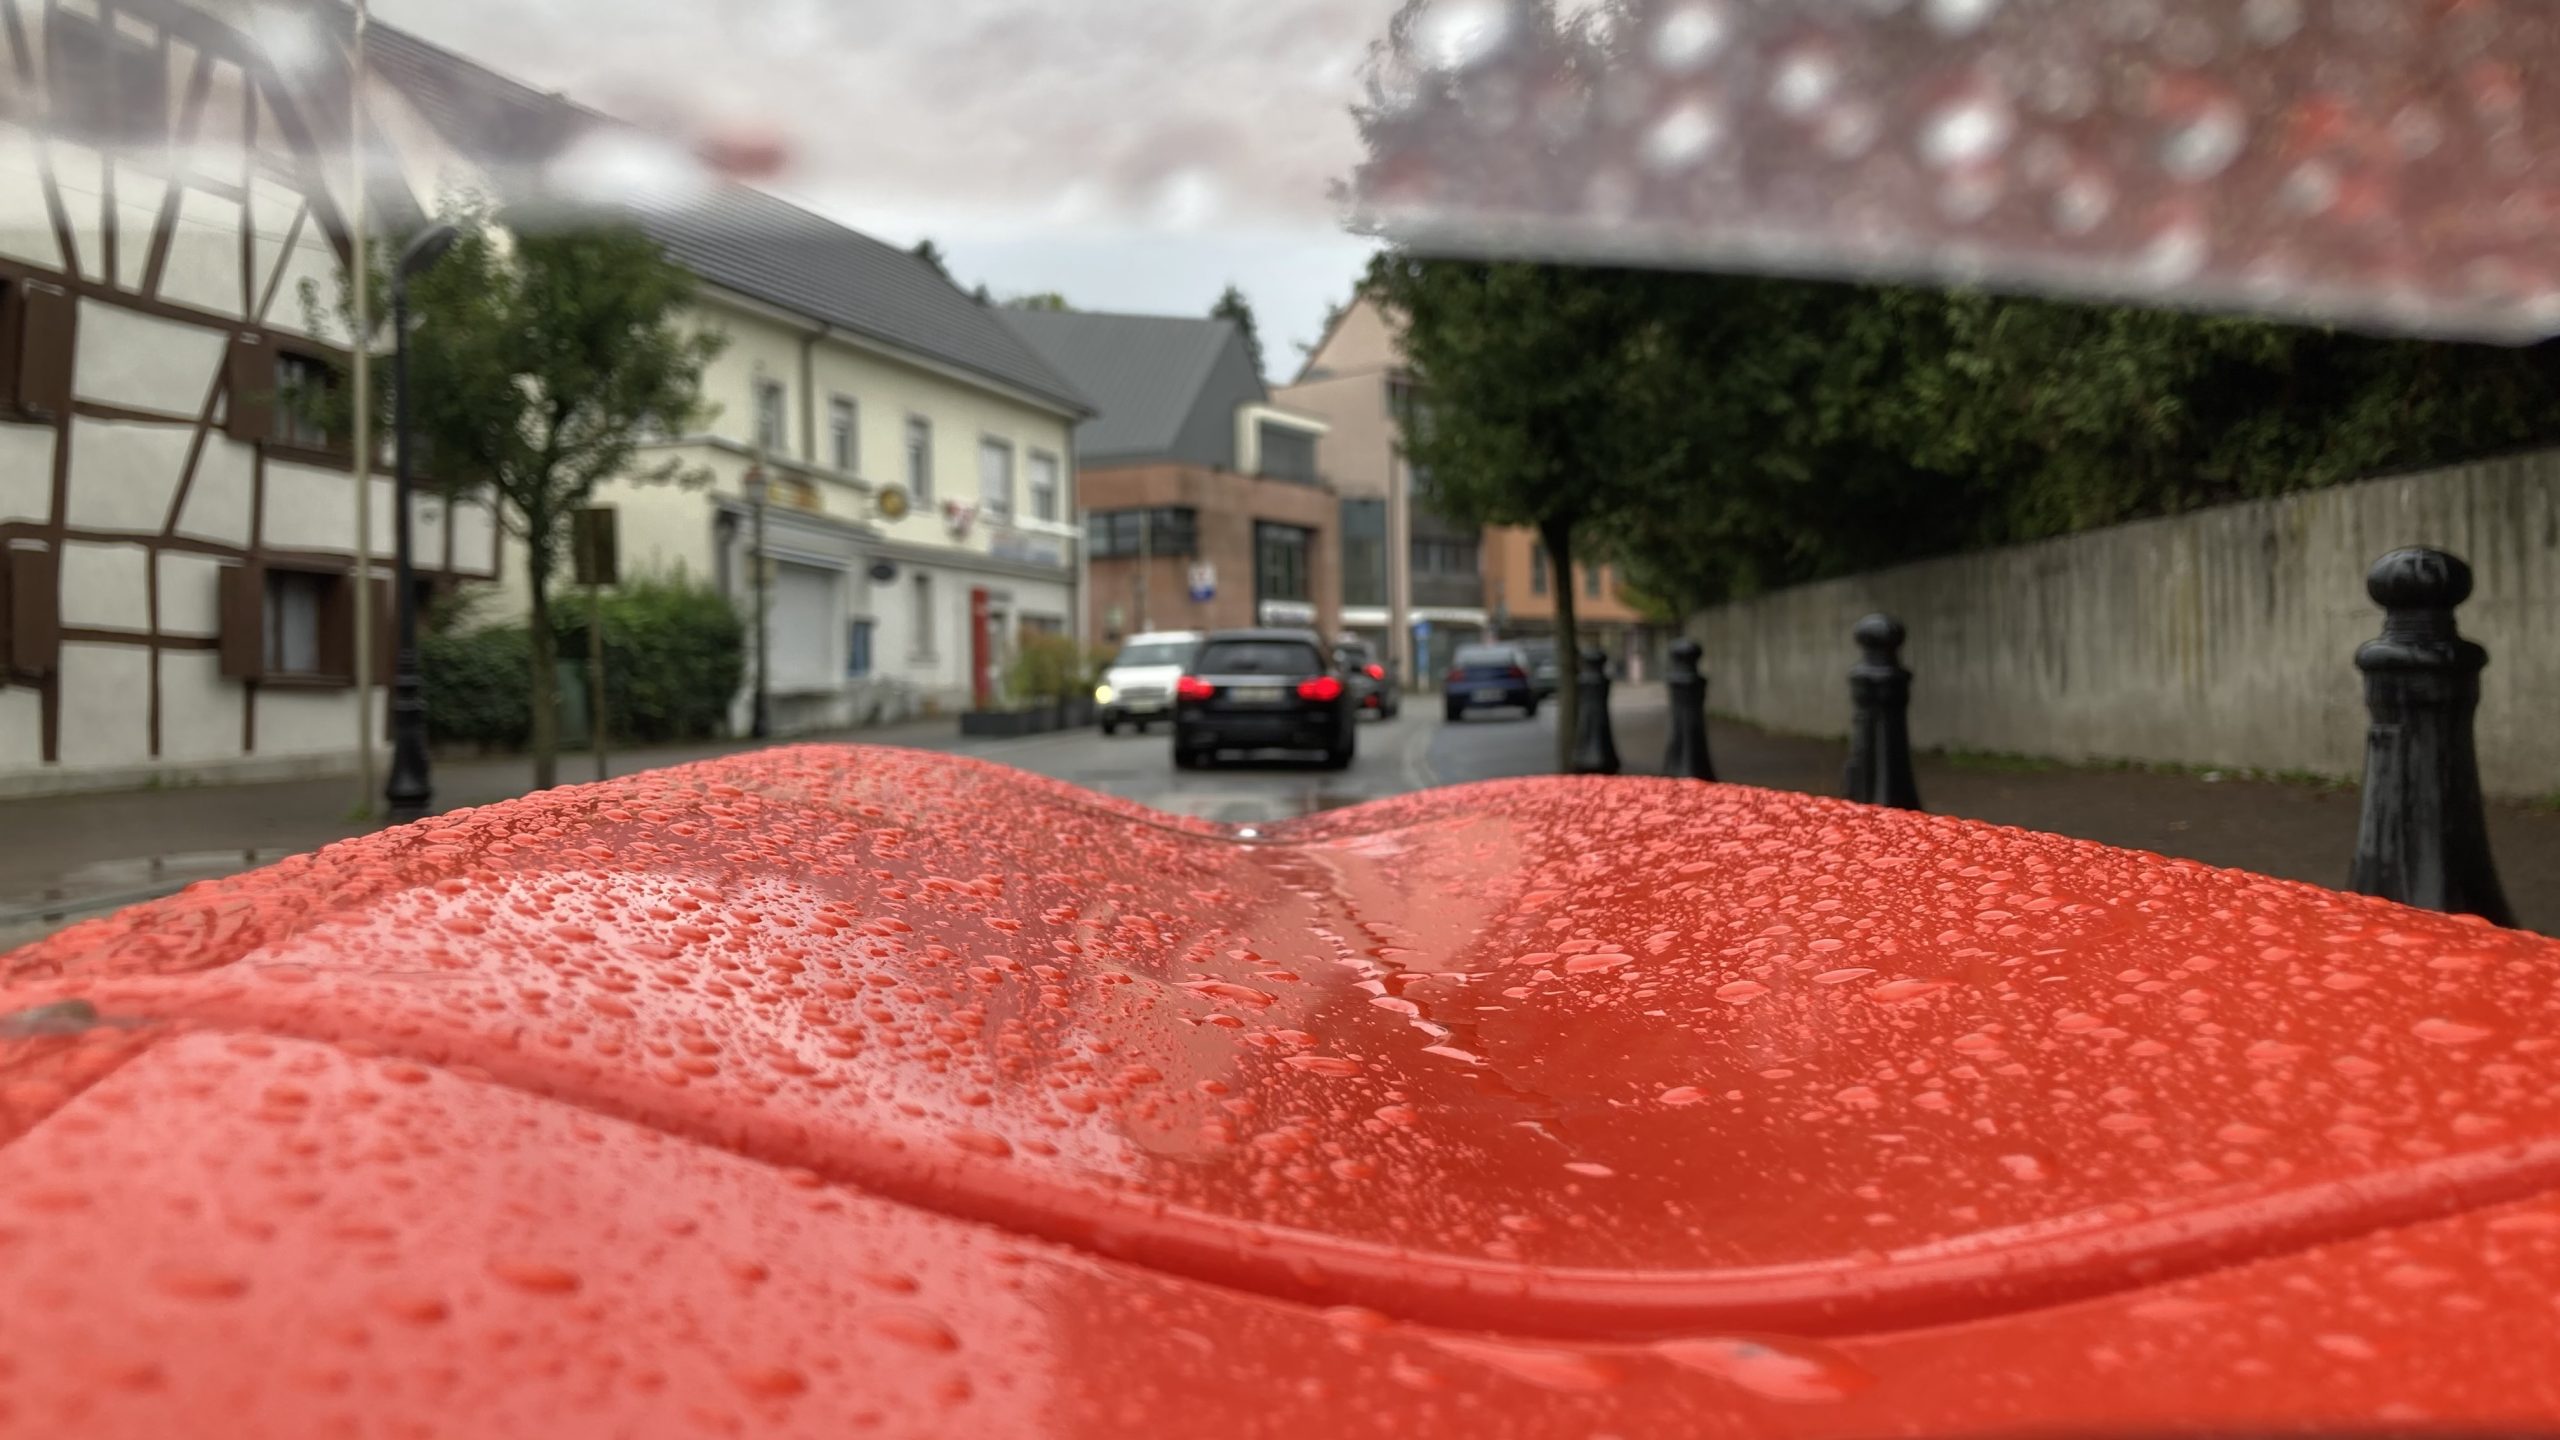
{"x":45,"y":322}
{"x":253,"y":389}
{"x":35,"y":612}
{"x":244,"y":621}
{"x":386,"y":631}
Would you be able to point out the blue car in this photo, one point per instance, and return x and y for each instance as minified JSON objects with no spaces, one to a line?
{"x":1489,"y":677}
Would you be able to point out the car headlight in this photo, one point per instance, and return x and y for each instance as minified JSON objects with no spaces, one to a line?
{"x":1102,"y":694}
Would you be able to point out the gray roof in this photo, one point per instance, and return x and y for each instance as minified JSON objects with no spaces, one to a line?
{"x":1143,"y":372}
{"x":737,"y":238}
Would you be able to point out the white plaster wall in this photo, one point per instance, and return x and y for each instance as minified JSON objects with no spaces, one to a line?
{"x":199,"y":710}
{"x":190,"y":595}
{"x":138,"y":198}
{"x":217,"y":507}
{"x":144,"y":362}
{"x":26,"y":473}
{"x":26,"y":230}
{"x":305,"y":722}
{"x":475,"y":537}
{"x":204,"y":255}
{"x":106,"y":705}
{"x":124,"y":476}
{"x":309,"y":508}
{"x":21,"y":728}
{"x":106,"y":587}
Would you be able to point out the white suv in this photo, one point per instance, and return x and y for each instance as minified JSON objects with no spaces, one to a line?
{"x":1138,"y":688}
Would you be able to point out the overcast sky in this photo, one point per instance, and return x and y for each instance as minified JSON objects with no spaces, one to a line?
{"x":1129,"y":154}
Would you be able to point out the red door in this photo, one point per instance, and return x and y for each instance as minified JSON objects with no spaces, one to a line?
{"x":982,"y":676}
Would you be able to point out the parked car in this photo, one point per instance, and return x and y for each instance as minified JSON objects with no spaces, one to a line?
{"x":1489,"y":677}
{"x":1373,"y":690}
{"x":1263,"y":690}
{"x":1137,"y":688}
{"x":1542,"y":666}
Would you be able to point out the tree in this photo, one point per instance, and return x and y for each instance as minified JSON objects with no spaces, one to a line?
{"x":1531,"y":407}
{"x":1047,"y":300}
{"x":540,"y":358}
{"x":1233,"y":306}
{"x":931,"y":254}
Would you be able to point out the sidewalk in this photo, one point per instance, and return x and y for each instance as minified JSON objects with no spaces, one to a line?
{"x":2294,"y":831}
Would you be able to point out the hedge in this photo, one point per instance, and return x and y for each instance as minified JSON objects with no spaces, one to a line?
{"x":674,"y":656}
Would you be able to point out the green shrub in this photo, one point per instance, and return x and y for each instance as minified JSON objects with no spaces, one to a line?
{"x":1046,"y":670}
{"x":477,"y":690}
{"x":674,"y":656}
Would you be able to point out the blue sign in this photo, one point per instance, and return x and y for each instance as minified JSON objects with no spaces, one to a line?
{"x":1204,"y":583}
{"x":1421,"y":629}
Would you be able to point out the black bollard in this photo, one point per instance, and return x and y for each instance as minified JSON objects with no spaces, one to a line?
{"x":1880,"y":723}
{"x":1686,"y":757}
{"x":1595,"y":745}
{"x":2423,"y":839}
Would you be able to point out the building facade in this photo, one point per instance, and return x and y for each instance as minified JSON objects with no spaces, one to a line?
{"x":1413,"y":581}
{"x":1522,"y":584}
{"x":1205,"y":505}
{"x":179,"y":545}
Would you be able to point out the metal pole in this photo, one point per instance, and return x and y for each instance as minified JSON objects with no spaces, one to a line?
{"x":1880,"y":718}
{"x":595,"y":671}
{"x":761,"y":725}
{"x":360,"y":377}
{"x":410,"y":788}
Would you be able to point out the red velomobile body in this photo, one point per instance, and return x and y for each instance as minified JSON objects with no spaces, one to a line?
{"x":838,"y":1091}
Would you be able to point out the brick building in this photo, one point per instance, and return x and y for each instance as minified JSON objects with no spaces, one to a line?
{"x":1204,"y":508}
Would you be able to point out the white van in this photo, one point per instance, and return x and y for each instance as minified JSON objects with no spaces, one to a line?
{"x":1138,"y":688}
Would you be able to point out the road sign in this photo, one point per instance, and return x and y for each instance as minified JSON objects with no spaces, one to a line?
{"x":1204,"y":582}
{"x":593,"y":549}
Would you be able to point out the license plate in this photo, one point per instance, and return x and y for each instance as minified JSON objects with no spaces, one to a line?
{"x":1257,"y":694}
{"x":1492,"y":697}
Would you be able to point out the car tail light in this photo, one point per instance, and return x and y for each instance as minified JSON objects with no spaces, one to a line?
{"x":1323,"y":687}
{"x":1192,"y":687}
{"x":1516,"y":673}
{"x":1377,"y":672}
{"x":1457,"y":676}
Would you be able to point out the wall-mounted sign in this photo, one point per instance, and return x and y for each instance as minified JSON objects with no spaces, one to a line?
{"x":1288,"y":612}
{"x":883,"y":572}
{"x":594,"y":553}
{"x":1204,"y":583}
{"x":891,"y":503}
{"x":958,"y":518}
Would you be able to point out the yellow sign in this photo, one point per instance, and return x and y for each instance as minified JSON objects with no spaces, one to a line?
{"x":893,"y":503}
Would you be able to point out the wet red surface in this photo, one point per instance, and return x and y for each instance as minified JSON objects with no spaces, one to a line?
{"x":833,"y":1087}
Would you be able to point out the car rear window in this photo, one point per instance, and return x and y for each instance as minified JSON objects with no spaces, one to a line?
{"x":1473,"y":656}
{"x":1258,"y":657}
{"x":1155,"y":652}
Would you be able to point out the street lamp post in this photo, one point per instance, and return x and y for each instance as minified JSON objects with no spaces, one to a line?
{"x":409,"y":789}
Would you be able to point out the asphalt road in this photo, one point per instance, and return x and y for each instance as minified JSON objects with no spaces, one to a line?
{"x":1417,"y":750}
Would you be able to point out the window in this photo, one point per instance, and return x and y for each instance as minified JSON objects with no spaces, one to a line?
{"x":995,"y":478}
{"x":1280,"y":561}
{"x":769,"y":418}
{"x":1044,"y":485}
{"x":1128,"y":534}
{"x":923,"y":615}
{"x":844,"y":438}
{"x":920,"y":460}
{"x":1537,"y":568}
{"x":1592,"y":578}
{"x":304,"y":385}
{"x":1444,"y":557}
{"x":857,"y":649}
{"x":1364,"y":553}
{"x":295,"y":602}
{"x":11,"y":325}
{"x":1288,"y":454}
{"x":1259,"y":657}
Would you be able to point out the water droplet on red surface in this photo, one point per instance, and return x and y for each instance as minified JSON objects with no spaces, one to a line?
{"x":913,"y":1329}
{"x":196,"y":1282}
{"x":536,"y":1278}
{"x":1787,"y":1370}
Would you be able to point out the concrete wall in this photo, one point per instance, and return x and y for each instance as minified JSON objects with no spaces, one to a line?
{"x":2225,"y":637}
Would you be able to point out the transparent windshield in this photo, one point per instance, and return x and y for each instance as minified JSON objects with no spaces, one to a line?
{"x":1155,"y":652}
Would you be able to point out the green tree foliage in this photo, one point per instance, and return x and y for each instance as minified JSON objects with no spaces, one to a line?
{"x":1232,"y":305}
{"x":540,"y":358}
{"x":1048,"y":300}
{"x":931,"y":254}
